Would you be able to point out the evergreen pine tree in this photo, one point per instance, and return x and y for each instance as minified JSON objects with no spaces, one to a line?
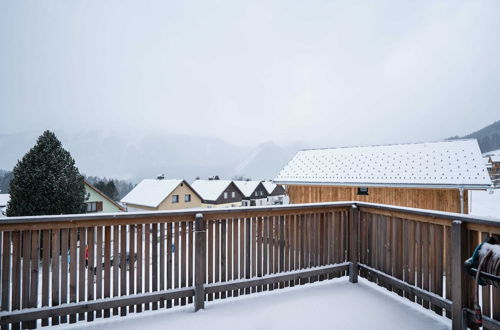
{"x":111,"y":190}
{"x":46,"y":181}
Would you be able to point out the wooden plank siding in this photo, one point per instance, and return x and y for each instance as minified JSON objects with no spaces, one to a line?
{"x":447,"y":200}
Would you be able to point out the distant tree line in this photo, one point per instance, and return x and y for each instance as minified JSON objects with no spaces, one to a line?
{"x":5,"y":178}
{"x":113,"y":188}
{"x":488,"y":137}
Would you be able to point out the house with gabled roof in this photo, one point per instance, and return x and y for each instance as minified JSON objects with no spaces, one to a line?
{"x":275,"y":193}
{"x":433,"y":175}
{"x":98,"y":202}
{"x":161,"y":194}
{"x":218,"y":193}
{"x":254,"y":192}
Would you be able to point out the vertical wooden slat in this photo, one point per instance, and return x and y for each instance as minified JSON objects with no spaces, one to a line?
{"x":229,"y":253}
{"x":25,"y":291}
{"x":35,"y":255}
{"x":439,"y":247}
{"x":191,"y":257}
{"x":293,"y":247}
{"x":6,"y":270}
{"x":82,"y":268}
{"x":210,"y":252}
{"x":107,"y":266}
{"x":90,"y":270}
{"x":223,"y":261}
{"x":447,"y":257}
{"x":258,"y":236}
{"x":162,"y":261}
{"x":406,"y":254}
{"x":235,"y":252}
{"x":276,"y":246}
{"x":425,"y":259}
{"x":123,"y":266}
{"x":253,"y":237}
{"x":217,"y":254}
{"x":281,"y":242}
{"x":154,"y":260}
{"x":247,"y":250}
{"x":183,"y":258}
{"x":139,"y":261}
{"x":432,"y":259}
{"x":64,"y":267}
{"x":270,"y":247}
{"x":242,"y":251}
{"x":55,"y":272}
{"x":460,"y":287}
{"x":169,"y":260}
{"x":16,"y":274}
{"x":99,"y":266}
{"x":147,"y":258}
{"x":116,"y":264}
{"x":131,"y":264}
{"x":177,"y":246}
{"x":418,"y":258}
{"x":411,"y":256}
{"x":265,"y":248}
{"x":46,"y":271}
{"x":398,"y":251}
{"x":73,"y":261}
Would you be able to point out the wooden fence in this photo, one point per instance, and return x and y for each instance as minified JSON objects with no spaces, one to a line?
{"x":72,"y":268}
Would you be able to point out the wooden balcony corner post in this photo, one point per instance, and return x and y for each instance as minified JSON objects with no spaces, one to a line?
{"x":458,"y":280}
{"x":199,"y":269}
{"x":353,"y":246}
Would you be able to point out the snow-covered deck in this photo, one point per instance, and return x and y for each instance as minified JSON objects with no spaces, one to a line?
{"x":333,"y":304}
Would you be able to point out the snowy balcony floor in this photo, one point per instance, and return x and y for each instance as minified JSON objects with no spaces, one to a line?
{"x":334,"y":304}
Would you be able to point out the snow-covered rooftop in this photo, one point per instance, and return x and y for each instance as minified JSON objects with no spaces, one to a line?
{"x":151,"y":192}
{"x":247,"y":187}
{"x":495,"y":158}
{"x":210,"y":189}
{"x":4,"y":199}
{"x":492,"y":153}
{"x":269,"y":186}
{"x":436,"y":164}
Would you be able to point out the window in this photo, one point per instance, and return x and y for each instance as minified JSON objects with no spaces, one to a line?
{"x":175,"y":199}
{"x":187,"y":198}
{"x":94,"y":207}
{"x":363,"y":191}
{"x":233,"y":194}
{"x":225,"y":194}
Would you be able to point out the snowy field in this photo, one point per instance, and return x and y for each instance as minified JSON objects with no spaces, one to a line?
{"x":485,"y":203}
{"x":333,"y":304}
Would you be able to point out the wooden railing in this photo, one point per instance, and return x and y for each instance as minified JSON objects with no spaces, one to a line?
{"x":72,"y":268}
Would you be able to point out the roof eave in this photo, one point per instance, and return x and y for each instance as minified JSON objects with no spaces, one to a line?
{"x":388,"y":185}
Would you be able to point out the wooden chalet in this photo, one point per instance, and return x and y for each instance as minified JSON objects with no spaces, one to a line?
{"x":218,"y":193}
{"x":254,"y":192}
{"x":433,"y":176}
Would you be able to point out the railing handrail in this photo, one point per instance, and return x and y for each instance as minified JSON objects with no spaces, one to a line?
{"x":159,"y":214}
{"x":483,"y":220}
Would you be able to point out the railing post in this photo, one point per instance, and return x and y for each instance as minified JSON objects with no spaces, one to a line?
{"x":199,"y":268}
{"x":458,"y":281}
{"x":353,"y":244}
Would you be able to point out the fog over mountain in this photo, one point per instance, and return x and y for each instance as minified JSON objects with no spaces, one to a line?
{"x":144,"y":156}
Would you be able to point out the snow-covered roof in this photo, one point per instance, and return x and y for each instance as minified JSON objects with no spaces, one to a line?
{"x":151,"y":192}
{"x":247,"y":187}
{"x":456,"y":163}
{"x":4,"y":199}
{"x":495,"y":159}
{"x":210,"y":190}
{"x":492,"y":153}
{"x":269,"y":186}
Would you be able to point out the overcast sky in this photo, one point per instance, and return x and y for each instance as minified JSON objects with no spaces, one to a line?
{"x":328,"y":73}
